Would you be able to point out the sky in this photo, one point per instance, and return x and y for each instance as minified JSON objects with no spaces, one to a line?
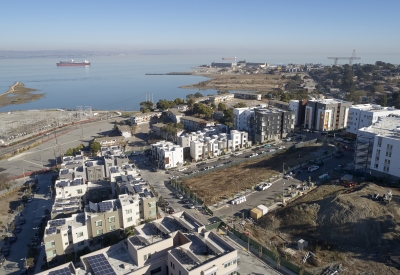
{"x":276,"y":26}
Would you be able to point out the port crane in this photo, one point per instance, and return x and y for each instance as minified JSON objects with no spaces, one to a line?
{"x":353,"y":57}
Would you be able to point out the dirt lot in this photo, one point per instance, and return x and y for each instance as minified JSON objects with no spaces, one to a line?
{"x":342,"y":227}
{"x":240,"y":82}
{"x":8,"y":206}
{"x":223,"y":184}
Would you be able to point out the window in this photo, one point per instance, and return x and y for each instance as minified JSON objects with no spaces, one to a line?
{"x":65,"y":235}
{"x":111,"y":219}
{"x":79,"y":234}
{"x":145,"y":257}
{"x":129,"y":219}
{"x":50,"y":253}
{"x":99,"y":223}
{"x":66,"y":243}
{"x":128,"y":211}
{"x":99,"y":232}
{"x":79,"y":191}
{"x":50,"y":244}
{"x":149,"y":256}
{"x":156,"y":270}
{"x":112,"y":227}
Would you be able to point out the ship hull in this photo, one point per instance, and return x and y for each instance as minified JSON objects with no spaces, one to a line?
{"x":72,"y":64}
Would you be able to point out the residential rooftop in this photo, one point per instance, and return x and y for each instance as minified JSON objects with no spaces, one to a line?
{"x":56,"y":225}
{"x":66,"y":205}
{"x":328,"y":100}
{"x":65,"y":183}
{"x":385,"y":126}
{"x":374,"y":108}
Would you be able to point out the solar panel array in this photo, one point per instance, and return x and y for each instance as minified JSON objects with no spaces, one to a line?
{"x":78,"y":157}
{"x":130,"y":178}
{"x":89,"y":164}
{"x":62,"y":271}
{"x":104,"y":206}
{"x":100,"y":265}
{"x":77,"y":181}
{"x":64,"y":172}
{"x":51,"y":230}
{"x":138,"y":188}
{"x":57,"y":222}
{"x":62,"y":184}
{"x":113,"y":170}
{"x":93,"y":206}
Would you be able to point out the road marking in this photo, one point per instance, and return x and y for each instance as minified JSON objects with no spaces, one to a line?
{"x":33,"y":163}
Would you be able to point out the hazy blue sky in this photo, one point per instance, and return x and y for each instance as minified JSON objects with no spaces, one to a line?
{"x":262,"y":26}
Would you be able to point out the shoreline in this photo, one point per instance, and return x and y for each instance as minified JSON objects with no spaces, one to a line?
{"x":18,"y":94}
{"x":12,"y":88}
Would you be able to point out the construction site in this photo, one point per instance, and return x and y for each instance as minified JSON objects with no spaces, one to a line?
{"x":343,"y":228}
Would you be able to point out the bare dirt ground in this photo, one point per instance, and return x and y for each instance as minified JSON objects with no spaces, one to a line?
{"x":18,"y":94}
{"x":223,"y":184}
{"x":240,"y":82}
{"x":8,"y":205}
{"x":342,"y":227}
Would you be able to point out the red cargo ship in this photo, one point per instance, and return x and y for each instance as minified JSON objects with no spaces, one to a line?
{"x":73,"y":63}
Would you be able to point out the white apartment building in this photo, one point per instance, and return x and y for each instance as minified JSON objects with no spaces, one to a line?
{"x":167,"y":154}
{"x":364,"y":115}
{"x":70,"y":188}
{"x":216,"y":145}
{"x":243,"y":120}
{"x":145,"y":117}
{"x":175,"y":115}
{"x":384,"y":148}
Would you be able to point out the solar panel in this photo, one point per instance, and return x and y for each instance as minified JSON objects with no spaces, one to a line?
{"x":57,"y":222}
{"x":113,"y":170}
{"x":105,"y":206}
{"x":89,"y":164}
{"x":62,"y":184}
{"x":77,"y":181}
{"x":64,"y":171}
{"x":62,"y":271}
{"x":130,"y":178}
{"x":51,"y":230}
{"x":93,"y":206}
{"x":100,"y":265}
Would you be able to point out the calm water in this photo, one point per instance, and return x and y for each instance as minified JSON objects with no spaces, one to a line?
{"x":119,"y":82}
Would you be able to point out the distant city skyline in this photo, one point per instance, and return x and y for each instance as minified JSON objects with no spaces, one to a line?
{"x":331,"y":27}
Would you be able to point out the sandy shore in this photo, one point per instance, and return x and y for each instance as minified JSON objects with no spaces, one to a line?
{"x":18,"y":94}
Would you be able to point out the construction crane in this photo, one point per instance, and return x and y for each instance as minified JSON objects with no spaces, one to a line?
{"x":353,"y":57}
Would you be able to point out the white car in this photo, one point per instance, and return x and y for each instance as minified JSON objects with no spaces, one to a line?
{"x":264,"y":186}
{"x":182,"y":169}
{"x":191,"y":205}
{"x":281,"y":147}
{"x":271,"y":150}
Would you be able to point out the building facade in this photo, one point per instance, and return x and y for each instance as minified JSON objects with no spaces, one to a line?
{"x":167,"y":155}
{"x":326,"y":114}
{"x":272,"y":124}
{"x":243,"y":120}
{"x":299,"y":109}
{"x":364,"y":115}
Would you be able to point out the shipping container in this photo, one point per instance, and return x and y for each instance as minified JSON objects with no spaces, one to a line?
{"x":256,"y":213}
{"x":263,"y":208}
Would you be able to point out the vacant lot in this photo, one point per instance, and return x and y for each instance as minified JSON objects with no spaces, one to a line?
{"x":342,"y":227}
{"x":240,"y":82}
{"x":225,"y":183}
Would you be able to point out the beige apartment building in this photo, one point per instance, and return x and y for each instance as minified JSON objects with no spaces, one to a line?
{"x":174,"y":245}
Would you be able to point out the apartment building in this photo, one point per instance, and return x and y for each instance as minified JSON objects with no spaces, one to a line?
{"x":221,"y":98}
{"x":378,"y":148}
{"x":95,"y":170}
{"x":326,"y":114}
{"x":364,"y":115}
{"x":272,"y":124}
{"x":144,"y":118}
{"x":248,"y":96}
{"x":174,"y":245}
{"x":243,"y":120}
{"x":299,"y":109}
{"x":70,"y":235}
{"x":66,"y":207}
{"x":167,"y":155}
{"x":194,"y":123}
{"x":175,"y":115}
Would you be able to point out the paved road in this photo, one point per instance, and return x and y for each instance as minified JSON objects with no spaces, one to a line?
{"x":45,"y":154}
{"x":33,"y":213}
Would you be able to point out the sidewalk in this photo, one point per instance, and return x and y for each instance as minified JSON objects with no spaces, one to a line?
{"x":270,"y":264}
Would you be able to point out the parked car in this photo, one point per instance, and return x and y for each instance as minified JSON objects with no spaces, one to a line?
{"x":267,"y":145}
{"x":191,"y":205}
{"x":22,"y":221}
{"x":17,"y":230}
{"x":313,"y":168}
{"x":281,"y":147}
{"x":12,"y":239}
{"x":185,"y":201}
{"x":179,"y":196}
{"x":271,"y":150}
{"x":264,"y":186}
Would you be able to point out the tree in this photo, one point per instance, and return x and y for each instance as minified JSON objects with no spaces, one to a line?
{"x":190,"y":96}
{"x":285,"y":97}
{"x":94,"y":147}
{"x":222,"y":92}
{"x":146,"y":106}
{"x":221,"y":106}
{"x":355,"y":96}
{"x":69,"y":152}
{"x":198,"y":94}
{"x":165,"y":104}
{"x":202,"y":109}
{"x":382,"y":100}
{"x":190,"y":103}
{"x":240,"y":105}
{"x":213,"y":106}
{"x":179,"y":101}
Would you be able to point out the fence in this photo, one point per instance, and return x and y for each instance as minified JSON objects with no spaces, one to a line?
{"x":265,"y":251}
